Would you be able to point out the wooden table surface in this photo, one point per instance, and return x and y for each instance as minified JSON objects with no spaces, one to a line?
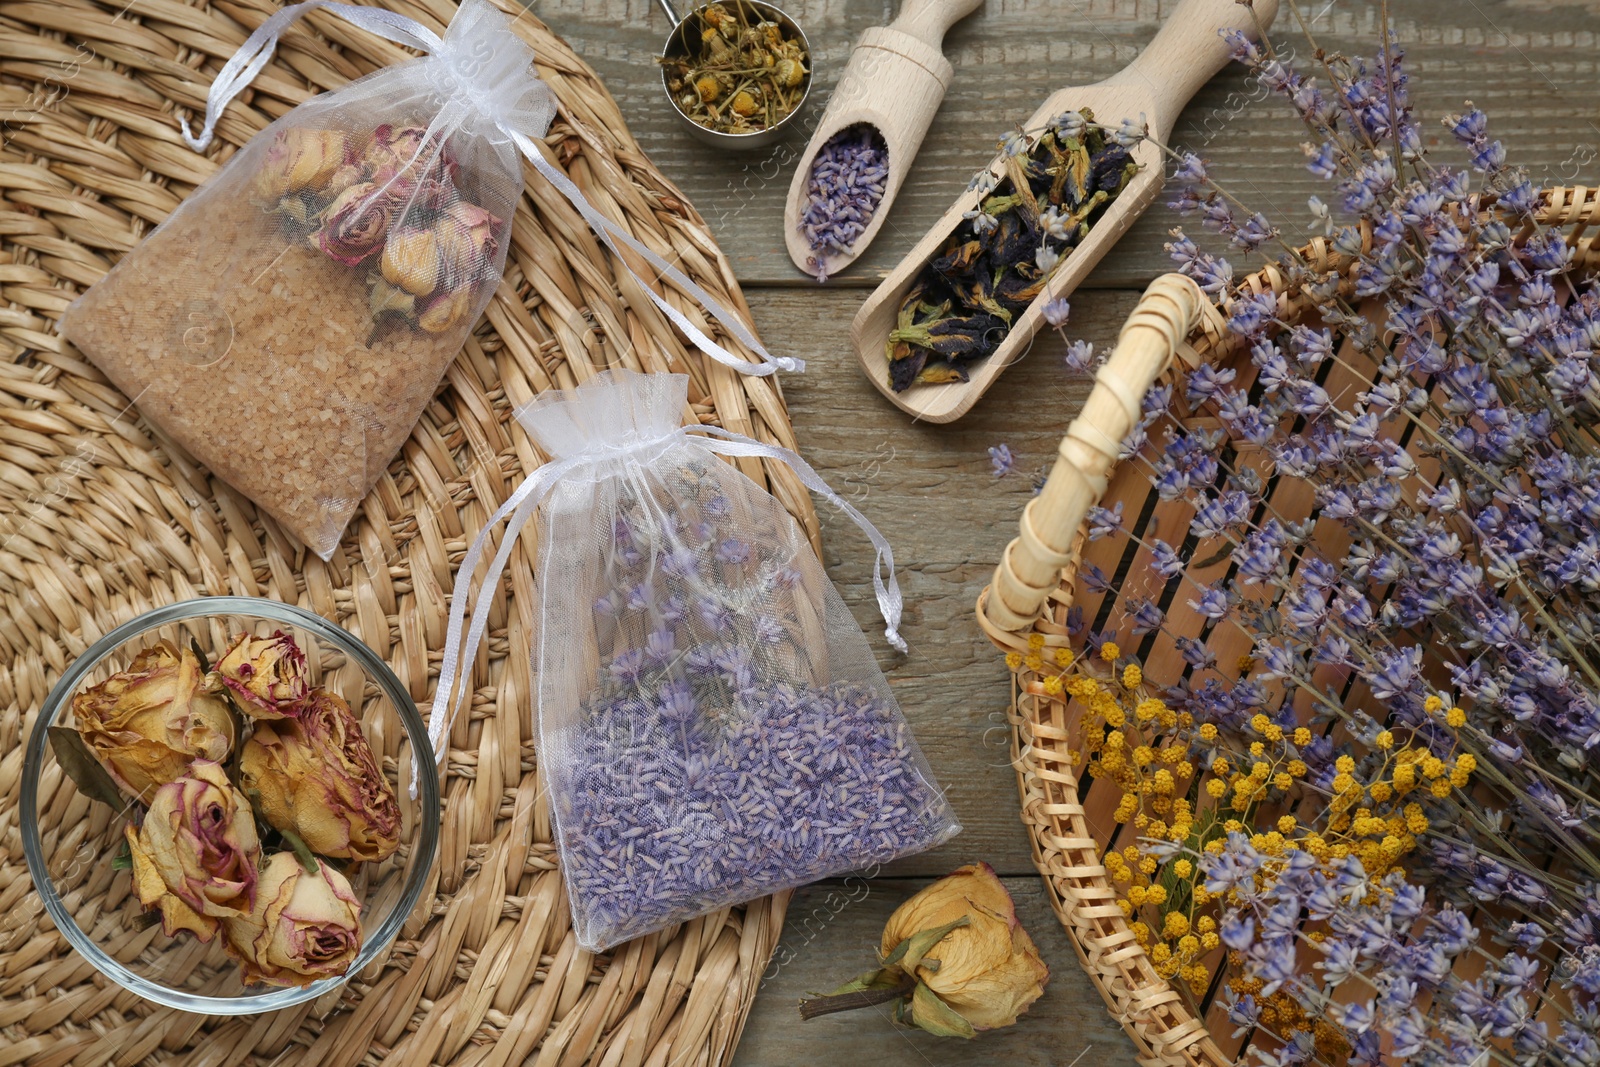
{"x":1533,"y":65}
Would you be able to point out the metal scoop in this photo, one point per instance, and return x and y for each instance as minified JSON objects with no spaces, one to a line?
{"x":684,"y":42}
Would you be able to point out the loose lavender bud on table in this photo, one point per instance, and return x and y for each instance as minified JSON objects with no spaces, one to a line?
{"x":846,"y":185}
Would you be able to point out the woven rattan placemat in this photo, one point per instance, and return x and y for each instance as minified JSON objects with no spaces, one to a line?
{"x":101,"y":519}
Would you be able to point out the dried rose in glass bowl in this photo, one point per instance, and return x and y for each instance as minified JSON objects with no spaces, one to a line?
{"x":228,"y":769}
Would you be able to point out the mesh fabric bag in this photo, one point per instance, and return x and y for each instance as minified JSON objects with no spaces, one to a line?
{"x":713,"y":725}
{"x":289,"y":321}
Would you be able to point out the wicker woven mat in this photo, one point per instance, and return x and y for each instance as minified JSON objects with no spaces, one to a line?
{"x":101,"y":519}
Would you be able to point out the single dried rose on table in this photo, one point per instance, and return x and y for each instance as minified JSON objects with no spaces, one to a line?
{"x":304,"y":926}
{"x":195,"y":855}
{"x":148,"y":723}
{"x":266,"y":674}
{"x":955,"y":960}
{"x":316,"y":777}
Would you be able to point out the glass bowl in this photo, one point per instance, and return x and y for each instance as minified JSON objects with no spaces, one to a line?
{"x":71,"y":843}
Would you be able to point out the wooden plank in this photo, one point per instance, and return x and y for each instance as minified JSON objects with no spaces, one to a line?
{"x":931,"y":491}
{"x":1532,"y":67}
{"x":831,"y":935}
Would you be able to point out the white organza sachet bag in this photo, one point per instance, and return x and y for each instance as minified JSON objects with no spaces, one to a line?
{"x":712,"y":724}
{"x":289,"y":322}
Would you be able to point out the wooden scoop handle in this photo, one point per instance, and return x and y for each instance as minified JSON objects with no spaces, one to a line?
{"x":1187,"y":52}
{"x":929,"y":20}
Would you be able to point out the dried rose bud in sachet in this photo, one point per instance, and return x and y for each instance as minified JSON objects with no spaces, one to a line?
{"x":289,"y":321}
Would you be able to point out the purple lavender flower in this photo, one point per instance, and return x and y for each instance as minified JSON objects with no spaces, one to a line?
{"x":847,"y":180}
{"x":694,"y":803}
{"x":733,"y":551}
{"x":1001,"y":460}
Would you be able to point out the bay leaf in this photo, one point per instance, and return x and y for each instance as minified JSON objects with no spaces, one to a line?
{"x":86,"y":772}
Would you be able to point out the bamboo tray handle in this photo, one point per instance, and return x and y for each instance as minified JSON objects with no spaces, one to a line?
{"x":1030,"y":568}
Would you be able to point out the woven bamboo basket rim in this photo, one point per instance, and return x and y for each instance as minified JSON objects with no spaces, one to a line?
{"x":102,"y":519}
{"x":1174,"y":327}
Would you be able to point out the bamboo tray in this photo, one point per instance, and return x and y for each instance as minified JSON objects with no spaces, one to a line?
{"x":101,"y":519}
{"x":1173,"y":328}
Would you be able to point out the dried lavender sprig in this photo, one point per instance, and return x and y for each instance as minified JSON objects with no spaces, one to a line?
{"x":846,"y":185}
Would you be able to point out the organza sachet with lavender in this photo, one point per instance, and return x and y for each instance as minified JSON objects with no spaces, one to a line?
{"x":713,"y":725}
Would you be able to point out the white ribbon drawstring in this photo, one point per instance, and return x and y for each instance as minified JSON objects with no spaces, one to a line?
{"x":460,"y":654}
{"x":890,"y":602}
{"x":256,"y":53}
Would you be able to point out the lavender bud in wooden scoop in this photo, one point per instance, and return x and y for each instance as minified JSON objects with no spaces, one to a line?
{"x":843,"y":193}
{"x":863,"y":146}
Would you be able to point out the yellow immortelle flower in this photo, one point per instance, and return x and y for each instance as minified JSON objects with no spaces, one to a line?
{"x":1188,"y":944}
{"x":1109,"y":651}
{"x":1260,"y":769}
{"x":1246,"y":664}
{"x":1132,"y":675}
{"x":1136,"y":896}
{"x":1441,"y":788}
{"x":1287,"y":823}
{"x":1298,"y":768}
{"x":1063,"y":657}
{"x":1201,"y":894}
{"x":1052,"y":685}
{"x":1156,"y":894}
{"x":1036,"y":641}
{"x":1183,"y":868}
{"x":1148,"y":866}
{"x":1302,"y":736}
{"x":1257,"y":749}
{"x":1384,"y":740}
{"x":1283,"y":780}
{"x":1216,"y":787}
{"x":1381,"y":791}
{"x":1210,"y":942}
{"x":1405,"y":777}
{"x":1219,"y":765}
{"x":1274,"y":732}
{"x":1014,"y":660}
{"x":1345,"y":764}
{"x":1033,"y":661}
{"x":1432,"y":704}
{"x":1208,"y":732}
{"x":1259,"y":723}
{"x":1175,"y":926}
{"x":1456,"y":718}
{"x":1083,"y":688}
{"x":1432,"y":766}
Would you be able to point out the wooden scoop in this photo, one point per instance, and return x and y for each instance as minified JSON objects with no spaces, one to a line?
{"x":1184,"y":55}
{"x":895,"y":81}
